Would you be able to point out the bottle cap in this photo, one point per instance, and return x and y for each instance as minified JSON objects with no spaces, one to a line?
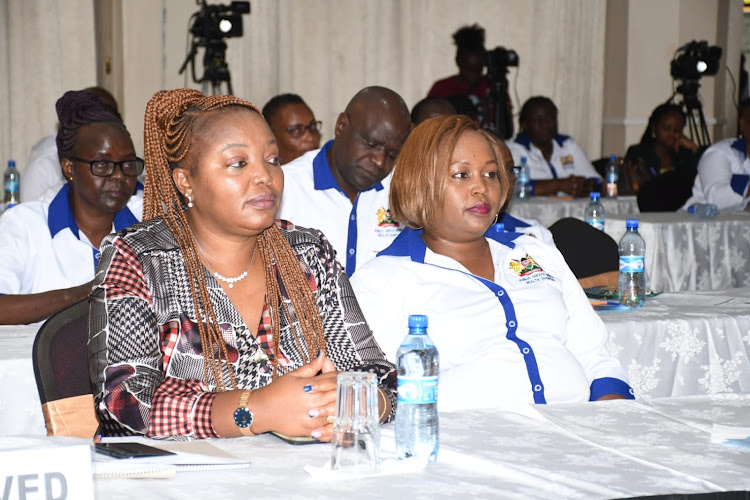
{"x":612,"y":157}
{"x":631,"y":223}
{"x":11,"y":163}
{"x":594,"y":195}
{"x":691,"y":208}
{"x":417,"y":321}
{"x":523,"y":159}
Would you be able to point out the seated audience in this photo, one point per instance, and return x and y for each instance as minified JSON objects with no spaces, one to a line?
{"x":342,"y":189}
{"x":556,"y":162}
{"x":430,"y":107}
{"x":294,"y":126}
{"x":49,"y":248}
{"x":670,"y":160}
{"x":213,"y":319}
{"x":724,"y":170}
{"x":507,"y":315}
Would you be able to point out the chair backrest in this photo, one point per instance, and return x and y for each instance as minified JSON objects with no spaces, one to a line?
{"x":62,"y":373}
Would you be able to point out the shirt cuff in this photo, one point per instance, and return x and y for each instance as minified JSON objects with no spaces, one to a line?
{"x":181,"y":408}
{"x":610,"y":385}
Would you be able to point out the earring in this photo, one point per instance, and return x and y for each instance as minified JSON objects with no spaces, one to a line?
{"x":190,"y":201}
{"x":496,"y":216}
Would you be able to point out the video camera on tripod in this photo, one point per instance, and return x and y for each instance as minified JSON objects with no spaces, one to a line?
{"x":692,"y":61}
{"x":499,"y":117}
{"x":208,"y":27}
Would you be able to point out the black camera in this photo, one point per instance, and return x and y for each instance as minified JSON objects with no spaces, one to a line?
{"x":219,"y":21}
{"x":696,"y":59}
{"x":501,"y":58}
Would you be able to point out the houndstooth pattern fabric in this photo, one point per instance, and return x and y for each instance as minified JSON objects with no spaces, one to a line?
{"x":143,"y":333}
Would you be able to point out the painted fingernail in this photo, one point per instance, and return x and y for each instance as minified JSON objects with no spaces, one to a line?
{"x":308,"y":388}
{"x":316,"y":434}
{"x":313,"y":413}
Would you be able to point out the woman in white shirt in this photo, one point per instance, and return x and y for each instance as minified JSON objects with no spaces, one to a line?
{"x":510,"y":320}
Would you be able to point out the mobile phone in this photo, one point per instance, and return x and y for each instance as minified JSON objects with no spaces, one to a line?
{"x":295,"y":439}
{"x":130,"y":450}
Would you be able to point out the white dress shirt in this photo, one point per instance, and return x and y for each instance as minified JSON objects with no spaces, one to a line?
{"x":567,"y":159}
{"x":42,"y":249}
{"x":723,"y":176}
{"x":530,"y":335}
{"x":312,"y":198}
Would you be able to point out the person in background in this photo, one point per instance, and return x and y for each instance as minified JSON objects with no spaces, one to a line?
{"x":49,"y":248}
{"x":43,"y":174}
{"x":507,"y":315}
{"x":294,"y":126}
{"x":212,"y":318}
{"x":557,"y":164}
{"x":342,"y":188}
{"x":430,"y":107}
{"x":670,"y":160}
{"x":724,"y":170}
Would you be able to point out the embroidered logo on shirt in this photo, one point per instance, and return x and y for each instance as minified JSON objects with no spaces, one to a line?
{"x":567,"y":162}
{"x":525,"y":266}
{"x":385,"y":218}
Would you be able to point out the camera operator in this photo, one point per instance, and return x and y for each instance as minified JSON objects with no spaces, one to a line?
{"x":472,"y":81}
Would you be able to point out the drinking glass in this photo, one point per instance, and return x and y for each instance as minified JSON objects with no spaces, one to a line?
{"x":356,"y":433}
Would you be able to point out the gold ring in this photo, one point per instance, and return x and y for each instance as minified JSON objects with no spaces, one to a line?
{"x":330,"y":419}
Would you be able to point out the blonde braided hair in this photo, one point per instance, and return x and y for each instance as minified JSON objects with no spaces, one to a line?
{"x":169,"y":127}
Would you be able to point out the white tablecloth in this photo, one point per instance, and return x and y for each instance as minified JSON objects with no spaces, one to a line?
{"x":548,"y":210}
{"x":610,"y":449}
{"x":684,"y":253}
{"x":685,"y":343}
{"x":20,"y":409}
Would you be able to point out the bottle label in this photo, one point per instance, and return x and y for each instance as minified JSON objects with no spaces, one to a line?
{"x":598,"y":224}
{"x":11,"y":186}
{"x":417,"y":390}
{"x":632,"y":263}
{"x":611,"y":178}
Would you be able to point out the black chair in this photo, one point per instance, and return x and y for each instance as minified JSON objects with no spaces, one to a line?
{"x":591,"y":254}
{"x":62,"y":374}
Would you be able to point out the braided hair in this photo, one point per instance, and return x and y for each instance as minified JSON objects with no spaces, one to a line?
{"x":76,"y":109}
{"x":171,"y":120}
{"x":656,"y":115}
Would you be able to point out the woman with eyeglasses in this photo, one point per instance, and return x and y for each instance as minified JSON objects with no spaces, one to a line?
{"x":49,"y":248}
{"x":294,"y":126}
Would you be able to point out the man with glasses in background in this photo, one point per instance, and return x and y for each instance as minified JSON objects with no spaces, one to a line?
{"x":294,"y":126}
{"x":342,"y":188}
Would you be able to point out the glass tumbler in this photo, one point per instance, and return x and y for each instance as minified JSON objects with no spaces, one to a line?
{"x":356,"y":432}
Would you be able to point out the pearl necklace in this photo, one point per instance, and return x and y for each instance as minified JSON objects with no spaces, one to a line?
{"x":232,"y":281}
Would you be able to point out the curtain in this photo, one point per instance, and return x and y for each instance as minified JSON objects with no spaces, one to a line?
{"x":46,"y":48}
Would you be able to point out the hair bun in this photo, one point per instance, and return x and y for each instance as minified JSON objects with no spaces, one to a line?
{"x":76,"y":107}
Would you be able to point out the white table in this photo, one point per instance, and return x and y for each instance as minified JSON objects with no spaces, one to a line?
{"x":550,"y":209}
{"x":610,"y":449}
{"x":20,"y":408}
{"x":684,"y":253}
{"x":685,"y":343}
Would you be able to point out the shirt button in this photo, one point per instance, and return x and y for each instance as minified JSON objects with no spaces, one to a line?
{"x":525,"y":350}
{"x":632,"y":392}
{"x":354,"y":217}
{"x":351,"y":251}
{"x":537,"y":388}
{"x":511,"y":324}
{"x":500,"y":293}
{"x":97,"y":255}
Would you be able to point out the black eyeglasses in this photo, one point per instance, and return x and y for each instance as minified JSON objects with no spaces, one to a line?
{"x":299,"y":130}
{"x":104,"y":168}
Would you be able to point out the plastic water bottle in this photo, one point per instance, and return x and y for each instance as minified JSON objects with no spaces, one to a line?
{"x":612,"y":175}
{"x":12,"y":183}
{"x":631,"y":286}
{"x":703,"y":210}
{"x":523,"y":181}
{"x":595,"y":213}
{"x":417,"y":365}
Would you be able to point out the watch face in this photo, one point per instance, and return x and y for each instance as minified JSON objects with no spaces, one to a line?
{"x":243,"y":417}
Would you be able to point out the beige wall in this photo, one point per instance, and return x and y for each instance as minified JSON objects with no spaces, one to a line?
{"x":642,"y":37}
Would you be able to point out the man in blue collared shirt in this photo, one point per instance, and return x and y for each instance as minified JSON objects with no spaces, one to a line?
{"x":342,"y":188}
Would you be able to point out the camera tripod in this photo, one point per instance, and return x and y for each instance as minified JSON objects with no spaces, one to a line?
{"x":693,"y":108}
{"x":497,"y":115}
{"x":215,"y":67}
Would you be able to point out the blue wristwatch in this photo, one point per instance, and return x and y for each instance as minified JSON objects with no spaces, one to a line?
{"x":243,"y":417}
